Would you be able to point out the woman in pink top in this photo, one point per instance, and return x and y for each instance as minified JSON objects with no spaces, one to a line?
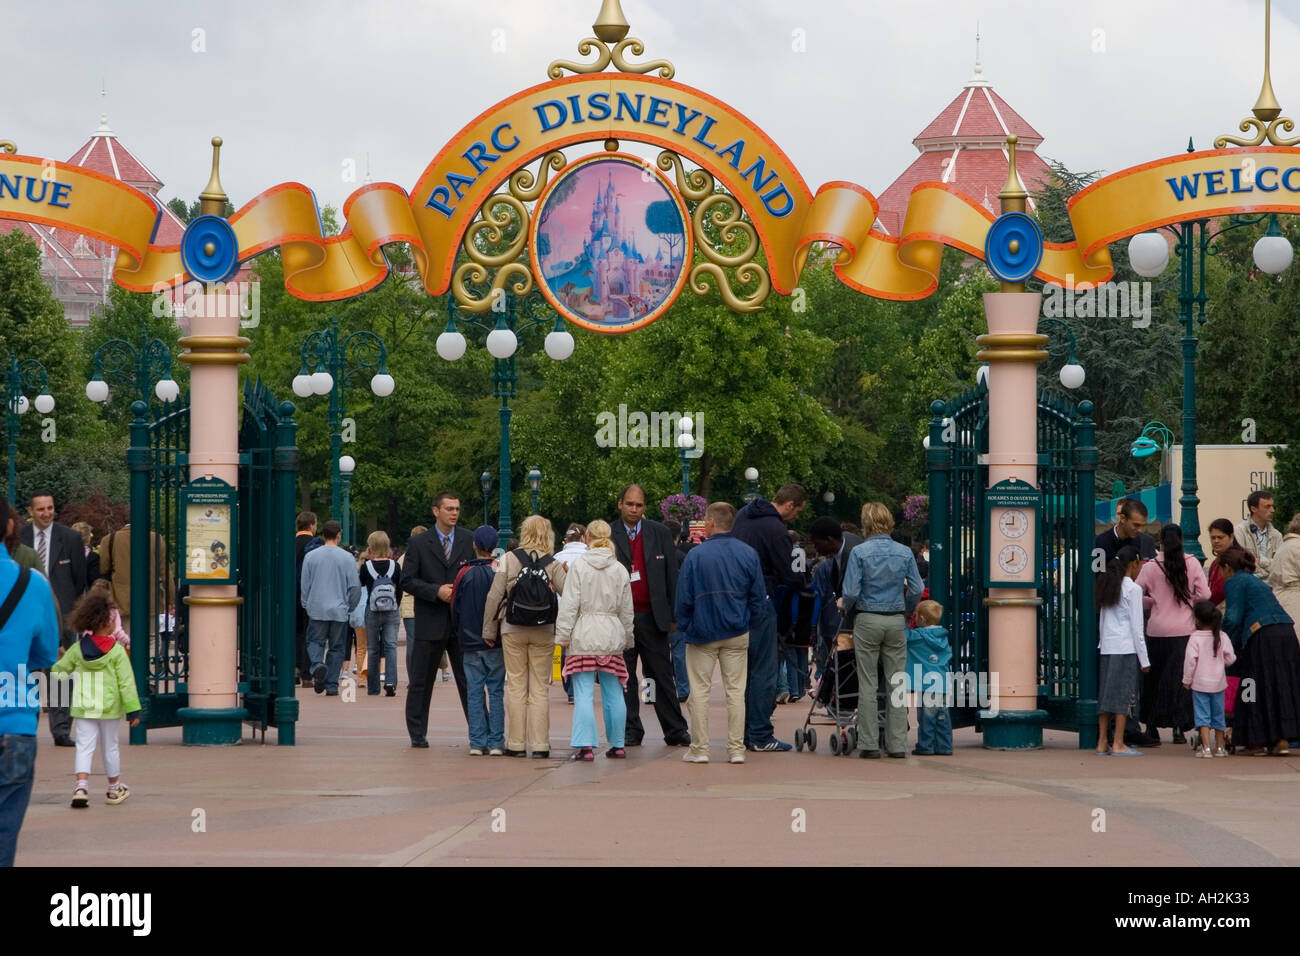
{"x":1172,"y":584}
{"x":1209,"y":652}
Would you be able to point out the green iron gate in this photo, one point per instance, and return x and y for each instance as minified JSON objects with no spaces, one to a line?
{"x":1067,"y":626}
{"x":158,"y":458}
{"x":268,"y":475}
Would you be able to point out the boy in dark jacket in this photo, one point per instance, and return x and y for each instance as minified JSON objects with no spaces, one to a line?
{"x":485,"y":668}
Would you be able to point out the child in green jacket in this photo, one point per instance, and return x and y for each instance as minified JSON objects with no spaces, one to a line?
{"x":103,"y":692}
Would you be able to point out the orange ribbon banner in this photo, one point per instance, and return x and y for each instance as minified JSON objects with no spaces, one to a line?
{"x":787,"y":216}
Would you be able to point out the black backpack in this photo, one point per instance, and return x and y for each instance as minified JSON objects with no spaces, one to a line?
{"x":532,"y":601}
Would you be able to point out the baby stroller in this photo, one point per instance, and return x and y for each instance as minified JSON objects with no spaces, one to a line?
{"x":835,"y":704}
{"x":798,"y":610}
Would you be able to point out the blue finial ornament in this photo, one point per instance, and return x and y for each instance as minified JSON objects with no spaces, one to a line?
{"x":1013,"y":247}
{"x":209,"y":249}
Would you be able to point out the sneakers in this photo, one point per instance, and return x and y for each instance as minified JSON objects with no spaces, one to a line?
{"x":1204,"y":752}
{"x":694,"y":758}
{"x":117,"y":794}
{"x":736,"y":758}
{"x":770,"y":746}
{"x":496,"y":752}
{"x":475,"y":752}
{"x":80,"y":798}
{"x":390,"y":690}
{"x":1220,"y":752}
{"x":783,"y":697}
{"x":318,"y":678}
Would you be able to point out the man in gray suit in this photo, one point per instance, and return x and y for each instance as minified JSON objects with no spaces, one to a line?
{"x":62,"y":557}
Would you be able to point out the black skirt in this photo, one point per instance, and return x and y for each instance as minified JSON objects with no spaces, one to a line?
{"x":1271,"y":658}
{"x":1165,"y":701}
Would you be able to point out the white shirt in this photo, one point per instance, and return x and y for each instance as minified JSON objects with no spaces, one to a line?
{"x":1121,"y":625}
{"x":570,"y":551}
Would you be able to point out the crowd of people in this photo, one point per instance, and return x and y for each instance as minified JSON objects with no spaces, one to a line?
{"x":1186,"y":646}
{"x":615,"y":597}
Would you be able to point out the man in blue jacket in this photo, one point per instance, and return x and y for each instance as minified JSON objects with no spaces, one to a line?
{"x":720,"y":595}
{"x":761,"y":525}
{"x":29,"y":641}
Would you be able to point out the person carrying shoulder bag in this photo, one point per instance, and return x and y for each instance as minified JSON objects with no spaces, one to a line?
{"x":521,"y":610}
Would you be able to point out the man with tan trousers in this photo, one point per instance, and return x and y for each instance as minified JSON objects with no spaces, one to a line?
{"x":720,"y":593}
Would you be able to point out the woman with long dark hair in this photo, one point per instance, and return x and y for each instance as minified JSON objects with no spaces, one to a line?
{"x":1172,"y":583}
{"x":1268,"y":661}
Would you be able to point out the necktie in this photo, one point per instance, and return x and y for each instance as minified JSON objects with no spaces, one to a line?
{"x":43,"y":554}
{"x":446,"y":547}
{"x":631,"y":535}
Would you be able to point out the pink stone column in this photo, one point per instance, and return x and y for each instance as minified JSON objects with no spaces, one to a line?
{"x":214,"y":356}
{"x":1013,"y":349}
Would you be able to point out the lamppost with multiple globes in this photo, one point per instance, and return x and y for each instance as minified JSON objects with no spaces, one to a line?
{"x":502,"y":343}
{"x":148,"y":367}
{"x":1194,"y":240}
{"x":23,"y":375}
{"x":686,"y":448}
{"x":329,"y":365}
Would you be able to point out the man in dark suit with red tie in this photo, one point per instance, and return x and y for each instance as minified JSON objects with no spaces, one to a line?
{"x":646,"y":548}
{"x":431,"y":563}
{"x":62,"y":559}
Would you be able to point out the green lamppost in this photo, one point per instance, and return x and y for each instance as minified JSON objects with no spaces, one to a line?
{"x":147,"y":366}
{"x":23,"y":375}
{"x":535,"y":484}
{"x":686,"y":448}
{"x":828,"y":503}
{"x":485,"y":483}
{"x":330,"y":365}
{"x":502,"y":342}
{"x":346,"y":465}
{"x":1193,"y":241}
{"x":751,"y":476}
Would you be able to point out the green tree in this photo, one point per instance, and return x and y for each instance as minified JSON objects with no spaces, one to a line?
{"x":33,"y":326}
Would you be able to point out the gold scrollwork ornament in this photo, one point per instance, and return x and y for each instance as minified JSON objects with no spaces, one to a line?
{"x":730,"y":226}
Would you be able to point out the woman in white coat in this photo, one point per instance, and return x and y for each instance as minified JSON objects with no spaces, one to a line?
{"x":595,"y":624}
{"x":1284,"y":575}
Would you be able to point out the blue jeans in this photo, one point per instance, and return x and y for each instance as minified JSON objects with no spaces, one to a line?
{"x":1207,"y":709}
{"x":793,"y":675}
{"x":678,"y":642}
{"x":934,"y":730}
{"x":584,"y":709}
{"x":17,"y":770}
{"x":485,"y":671}
{"x":381,"y":632}
{"x":325,"y":643}
{"x":760,"y":688}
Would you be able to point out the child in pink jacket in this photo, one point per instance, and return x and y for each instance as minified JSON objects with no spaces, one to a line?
{"x":1209,"y":652}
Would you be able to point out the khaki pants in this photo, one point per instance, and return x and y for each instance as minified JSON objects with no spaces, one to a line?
{"x":880,"y":639}
{"x":528,"y":681}
{"x":732,"y":656}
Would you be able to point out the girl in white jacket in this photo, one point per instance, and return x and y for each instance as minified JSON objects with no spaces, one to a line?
{"x":595,"y":624}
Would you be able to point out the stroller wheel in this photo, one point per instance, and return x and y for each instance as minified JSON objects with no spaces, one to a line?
{"x":835,"y":744}
{"x":798,"y":739}
{"x":852,"y":739}
{"x":811,"y":739}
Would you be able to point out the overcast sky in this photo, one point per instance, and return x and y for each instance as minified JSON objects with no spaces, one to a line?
{"x":297,"y":88}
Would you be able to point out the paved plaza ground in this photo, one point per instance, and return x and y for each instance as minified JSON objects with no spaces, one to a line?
{"x":353,"y":792}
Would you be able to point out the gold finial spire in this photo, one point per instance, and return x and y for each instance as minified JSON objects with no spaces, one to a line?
{"x":212,"y":201}
{"x":1013,"y":194}
{"x":1267,"y":107}
{"x":610,"y":26}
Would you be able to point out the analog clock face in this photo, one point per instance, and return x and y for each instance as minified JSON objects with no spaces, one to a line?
{"x":1013,"y":559}
{"x":1013,"y":522}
